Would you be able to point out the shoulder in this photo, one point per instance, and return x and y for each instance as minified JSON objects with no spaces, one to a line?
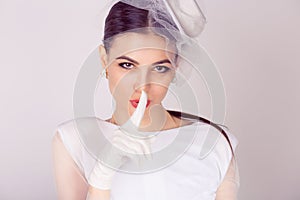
{"x":217,"y":146}
{"x":214,"y":140}
{"x":75,"y":134}
{"x":223,"y":154}
{"x":78,"y":132}
{"x":80,"y":126}
{"x":226,"y":140}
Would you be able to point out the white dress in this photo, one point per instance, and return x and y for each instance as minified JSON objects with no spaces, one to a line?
{"x":186,"y":178}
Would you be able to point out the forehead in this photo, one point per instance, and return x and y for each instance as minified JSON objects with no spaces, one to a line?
{"x":146,"y":46}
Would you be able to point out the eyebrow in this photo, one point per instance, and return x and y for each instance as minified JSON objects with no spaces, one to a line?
{"x":137,"y":63}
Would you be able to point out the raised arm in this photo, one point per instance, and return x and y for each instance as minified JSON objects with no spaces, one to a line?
{"x":101,"y":176}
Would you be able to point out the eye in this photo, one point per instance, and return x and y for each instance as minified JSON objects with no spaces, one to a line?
{"x":126,"y":65}
{"x":161,"y":69}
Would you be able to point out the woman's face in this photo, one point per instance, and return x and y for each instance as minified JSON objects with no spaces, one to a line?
{"x":137,"y":62}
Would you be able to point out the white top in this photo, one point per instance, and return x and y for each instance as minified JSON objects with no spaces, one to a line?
{"x":187,"y":178}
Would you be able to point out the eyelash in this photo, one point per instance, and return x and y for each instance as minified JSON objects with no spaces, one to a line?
{"x":123,"y":65}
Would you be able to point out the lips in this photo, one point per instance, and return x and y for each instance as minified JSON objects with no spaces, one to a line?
{"x":135,"y":103}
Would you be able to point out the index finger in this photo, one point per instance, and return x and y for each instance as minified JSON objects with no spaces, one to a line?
{"x":134,"y":121}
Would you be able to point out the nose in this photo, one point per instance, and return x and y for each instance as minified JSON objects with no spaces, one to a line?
{"x":142,"y":80}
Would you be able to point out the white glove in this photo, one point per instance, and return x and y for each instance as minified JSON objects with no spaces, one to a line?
{"x":123,"y":139}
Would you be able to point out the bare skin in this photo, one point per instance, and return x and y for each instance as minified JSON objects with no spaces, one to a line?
{"x":172,"y":122}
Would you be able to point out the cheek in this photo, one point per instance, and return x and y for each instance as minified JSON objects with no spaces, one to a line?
{"x":112,"y":83}
{"x":114,"y":78}
{"x":159,"y":92}
{"x":119,"y":84}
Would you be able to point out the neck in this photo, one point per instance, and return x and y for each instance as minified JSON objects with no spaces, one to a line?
{"x":151,"y":122}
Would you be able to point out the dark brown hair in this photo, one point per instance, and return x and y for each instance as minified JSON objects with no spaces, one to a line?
{"x":122,"y":18}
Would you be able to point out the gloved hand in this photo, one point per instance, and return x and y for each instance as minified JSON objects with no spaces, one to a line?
{"x":126,"y":146}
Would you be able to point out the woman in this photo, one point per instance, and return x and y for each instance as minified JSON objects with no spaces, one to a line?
{"x":139,"y":60}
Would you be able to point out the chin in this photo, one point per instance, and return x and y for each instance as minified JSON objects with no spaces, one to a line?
{"x":131,"y":110}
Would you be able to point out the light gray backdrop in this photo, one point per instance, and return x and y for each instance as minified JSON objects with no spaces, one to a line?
{"x":255,"y":45}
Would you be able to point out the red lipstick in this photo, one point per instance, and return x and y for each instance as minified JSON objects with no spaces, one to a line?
{"x":135,"y":102}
